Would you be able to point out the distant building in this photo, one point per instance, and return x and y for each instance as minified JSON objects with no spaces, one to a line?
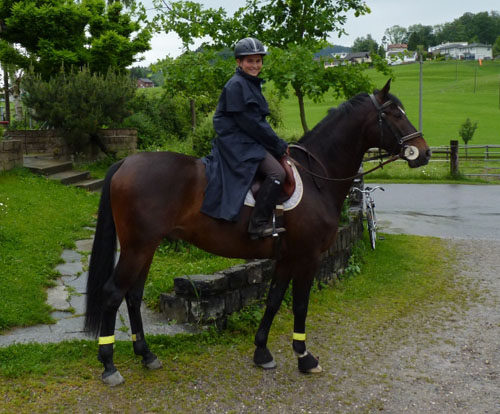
{"x":398,"y":54}
{"x":463,"y":50}
{"x":345,"y":58}
{"x":145,"y":83}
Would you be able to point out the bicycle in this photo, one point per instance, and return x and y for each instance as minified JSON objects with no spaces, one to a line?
{"x":371,"y":218}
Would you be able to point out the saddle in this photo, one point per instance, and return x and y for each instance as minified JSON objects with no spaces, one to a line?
{"x":288,"y":186}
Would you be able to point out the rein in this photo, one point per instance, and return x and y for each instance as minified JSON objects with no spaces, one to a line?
{"x":359,"y":175}
{"x":402,"y":139}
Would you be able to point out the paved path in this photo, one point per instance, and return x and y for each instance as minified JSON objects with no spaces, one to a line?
{"x":68,"y":298}
{"x":440,"y":210}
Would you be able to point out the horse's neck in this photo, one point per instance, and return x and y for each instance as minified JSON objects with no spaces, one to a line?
{"x":341,"y":151}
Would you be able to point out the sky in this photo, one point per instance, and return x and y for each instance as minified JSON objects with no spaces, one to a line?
{"x":384,"y":14}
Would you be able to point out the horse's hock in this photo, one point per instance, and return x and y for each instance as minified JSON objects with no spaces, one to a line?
{"x":210,"y":298}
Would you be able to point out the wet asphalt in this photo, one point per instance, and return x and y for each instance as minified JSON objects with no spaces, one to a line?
{"x":440,"y":210}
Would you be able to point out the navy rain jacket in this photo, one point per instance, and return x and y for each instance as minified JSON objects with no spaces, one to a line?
{"x":243,"y":137}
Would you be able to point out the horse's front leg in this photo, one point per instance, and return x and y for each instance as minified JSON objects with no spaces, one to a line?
{"x":281,"y":279}
{"x":301,"y":291}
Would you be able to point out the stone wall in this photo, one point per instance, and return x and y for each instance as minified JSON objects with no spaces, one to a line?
{"x":11,"y":154}
{"x":210,"y":298}
{"x":50,"y":142}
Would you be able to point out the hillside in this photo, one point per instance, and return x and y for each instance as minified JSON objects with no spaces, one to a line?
{"x":448,"y":99}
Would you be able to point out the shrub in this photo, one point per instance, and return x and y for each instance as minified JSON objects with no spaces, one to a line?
{"x":158,"y":118}
{"x":79,"y":103}
{"x":202,"y":137}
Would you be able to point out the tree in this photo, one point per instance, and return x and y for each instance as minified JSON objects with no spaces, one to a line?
{"x":365,"y":44}
{"x":396,"y":34}
{"x":466,"y":132}
{"x":48,"y":34}
{"x":295,"y":66}
{"x":482,"y":27}
{"x":278,"y":22}
{"x":79,"y":102}
{"x":198,"y":76}
{"x":496,"y":47}
{"x":420,"y":35}
{"x":293,"y":29}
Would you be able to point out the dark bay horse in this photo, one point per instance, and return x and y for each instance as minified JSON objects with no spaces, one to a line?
{"x":150,"y":196}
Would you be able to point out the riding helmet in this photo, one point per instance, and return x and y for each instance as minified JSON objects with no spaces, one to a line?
{"x":249,"y":46}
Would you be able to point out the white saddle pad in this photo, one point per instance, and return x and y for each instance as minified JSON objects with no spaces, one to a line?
{"x":289,"y":204}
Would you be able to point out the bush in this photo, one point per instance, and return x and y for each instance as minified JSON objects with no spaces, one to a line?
{"x":79,"y":103}
{"x":202,"y":137}
{"x":275,"y":117}
{"x":158,"y":118}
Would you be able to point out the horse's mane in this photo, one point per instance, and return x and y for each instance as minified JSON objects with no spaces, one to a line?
{"x":345,"y":108}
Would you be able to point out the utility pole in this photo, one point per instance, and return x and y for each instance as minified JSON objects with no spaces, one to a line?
{"x":420,"y":98}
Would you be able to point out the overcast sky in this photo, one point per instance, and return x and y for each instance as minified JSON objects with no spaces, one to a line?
{"x":384,"y":14}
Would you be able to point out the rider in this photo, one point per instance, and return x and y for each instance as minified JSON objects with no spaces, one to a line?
{"x":246,"y":145}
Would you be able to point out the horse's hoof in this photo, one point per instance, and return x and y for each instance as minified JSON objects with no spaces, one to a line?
{"x":263,"y":358}
{"x":154,"y":364}
{"x":308,"y":364}
{"x":113,"y":379}
{"x":268,"y":365}
{"x":316,"y":370}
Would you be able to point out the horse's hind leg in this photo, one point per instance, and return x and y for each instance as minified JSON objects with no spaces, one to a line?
{"x":301,"y":290}
{"x":262,"y":356}
{"x":125,"y":276}
{"x":134,"y":300}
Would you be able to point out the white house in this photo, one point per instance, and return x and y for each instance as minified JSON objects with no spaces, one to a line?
{"x":398,"y":54}
{"x":463,"y":50}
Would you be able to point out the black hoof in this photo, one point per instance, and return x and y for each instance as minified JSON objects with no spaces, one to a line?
{"x":308,"y":364}
{"x":263,"y":358}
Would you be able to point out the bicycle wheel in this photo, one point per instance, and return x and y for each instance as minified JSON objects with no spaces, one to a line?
{"x":372,"y":232}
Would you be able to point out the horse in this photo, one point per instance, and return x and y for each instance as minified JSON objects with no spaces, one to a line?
{"x":151,"y":196}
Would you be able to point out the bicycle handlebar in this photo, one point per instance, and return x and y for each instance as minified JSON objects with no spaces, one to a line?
{"x":368,"y":190}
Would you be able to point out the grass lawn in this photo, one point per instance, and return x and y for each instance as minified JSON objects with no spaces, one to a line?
{"x":38,"y":219}
{"x":448,"y":99}
{"x":405,"y":276}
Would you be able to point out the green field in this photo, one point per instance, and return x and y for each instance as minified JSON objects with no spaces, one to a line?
{"x":448,"y":99}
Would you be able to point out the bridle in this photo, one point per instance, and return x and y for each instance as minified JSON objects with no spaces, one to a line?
{"x":382,"y":117}
{"x":405,"y":153}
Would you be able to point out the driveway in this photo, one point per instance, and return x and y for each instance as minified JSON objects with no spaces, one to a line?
{"x":440,"y":210}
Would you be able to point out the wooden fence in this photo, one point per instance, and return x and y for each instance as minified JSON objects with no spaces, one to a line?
{"x":482,"y":160}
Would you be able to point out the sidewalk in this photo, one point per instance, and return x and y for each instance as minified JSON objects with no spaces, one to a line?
{"x":68,"y":300}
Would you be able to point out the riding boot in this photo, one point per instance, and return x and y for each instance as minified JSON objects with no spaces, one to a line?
{"x":265,"y":203}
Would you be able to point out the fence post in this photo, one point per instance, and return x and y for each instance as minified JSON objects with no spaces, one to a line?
{"x":454,"y":158}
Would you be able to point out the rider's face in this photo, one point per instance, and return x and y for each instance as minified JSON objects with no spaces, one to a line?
{"x":251,"y":65}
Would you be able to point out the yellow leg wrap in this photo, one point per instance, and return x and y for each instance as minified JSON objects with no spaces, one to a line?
{"x":299,"y":336}
{"x":106,"y":340}
{"x":134,"y":337}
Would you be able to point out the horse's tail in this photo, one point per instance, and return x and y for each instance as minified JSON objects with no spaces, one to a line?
{"x":102,"y":259}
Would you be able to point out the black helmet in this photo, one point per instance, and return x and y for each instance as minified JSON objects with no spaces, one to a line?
{"x":249,"y":46}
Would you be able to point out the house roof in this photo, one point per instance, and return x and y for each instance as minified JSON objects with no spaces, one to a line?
{"x":357,"y":55}
{"x":398,"y":46}
{"x":459,"y":46}
{"x":145,"y":80}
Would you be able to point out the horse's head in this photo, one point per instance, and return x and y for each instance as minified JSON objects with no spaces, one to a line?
{"x":396,"y":134}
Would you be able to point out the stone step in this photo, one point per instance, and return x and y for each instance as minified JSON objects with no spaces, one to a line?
{"x":46,"y":166}
{"x":70,"y":176}
{"x":91,"y":184}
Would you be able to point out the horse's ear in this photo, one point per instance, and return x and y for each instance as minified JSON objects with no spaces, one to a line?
{"x":384,"y":91}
